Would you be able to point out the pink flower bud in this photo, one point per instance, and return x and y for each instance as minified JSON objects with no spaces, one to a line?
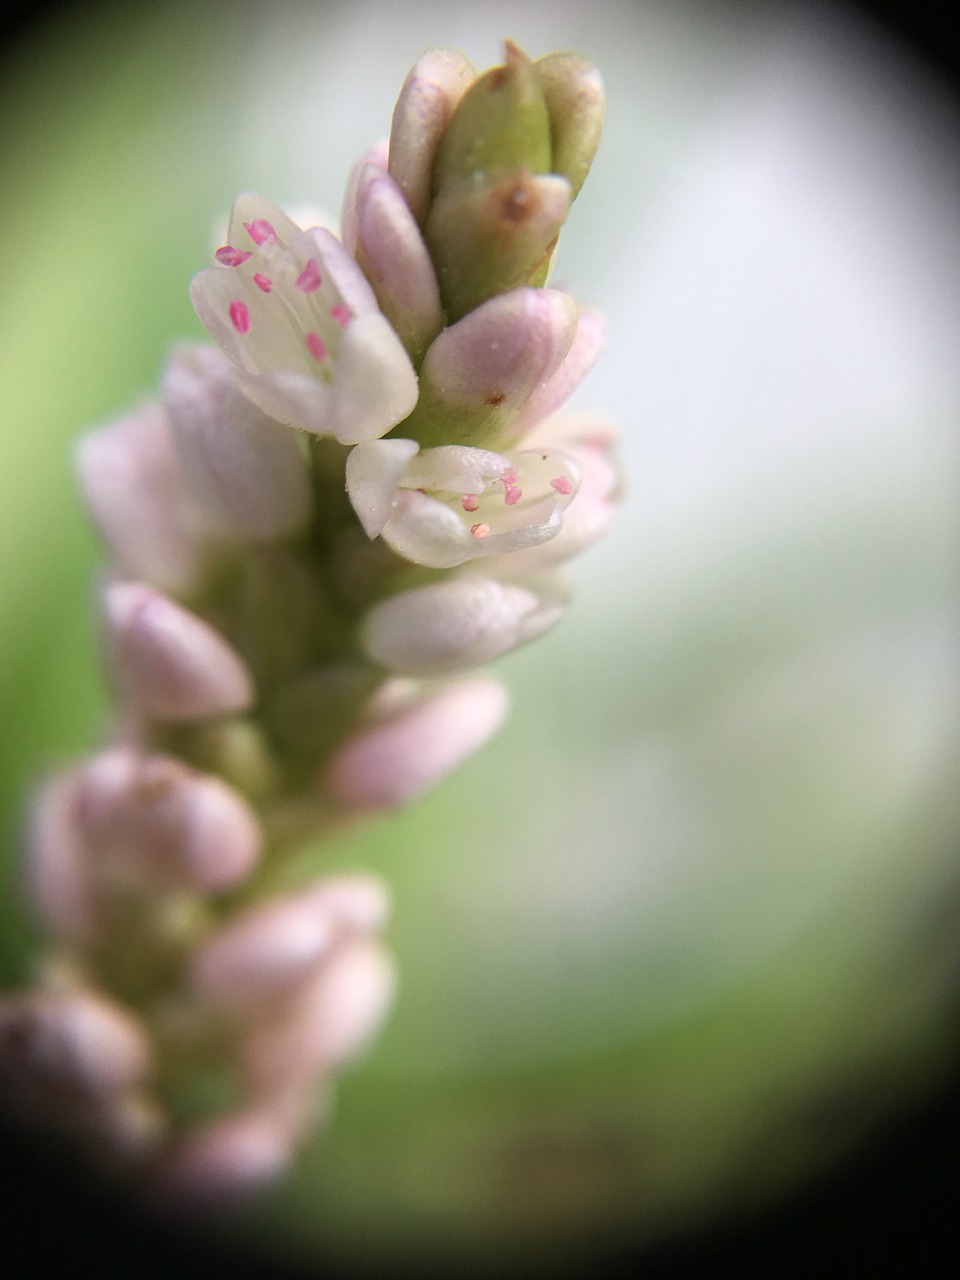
{"x":153,"y":816}
{"x":141,"y":505}
{"x":169,"y":663}
{"x":394,"y":258}
{"x":57,"y":875}
{"x":396,"y":759}
{"x":65,"y":1048}
{"x":427,"y":101}
{"x":480,"y":372}
{"x":247,"y":471}
{"x":270,"y":947}
{"x":327,"y":1021}
{"x":579,"y":360}
{"x":226,"y":1160}
{"x":454,"y":625}
{"x":262,"y":951}
{"x":377,"y":155}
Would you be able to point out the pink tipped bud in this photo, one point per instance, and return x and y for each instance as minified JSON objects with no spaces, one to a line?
{"x":395,"y":760}
{"x":57,"y":875}
{"x":224,"y":1161}
{"x":480,"y":372}
{"x":328,"y":1021}
{"x":451,"y":626}
{"x":171,"y":664}
{"x":427,"y":101}
{"x":153,"y":816}
{"x":246,"y":469}
{"x":395,"y":260}
{"x":358,"y":903}
{"x":140,"y":503}
{"x":63,"y":1049}
{"x":262,"y":951}
{"x":377,"y":155}
{"x":579,"y":360}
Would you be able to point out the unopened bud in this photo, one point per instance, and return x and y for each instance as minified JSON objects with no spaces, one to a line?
{"x":57,"y":875}
{"x":427,"y":101}
{"x":496,"y":238}
{"x":57,"y":1050}
{"x":169,"y":663}
{"x":397,"y":758}
{"x":586,"y":347}
{"x":329,"y":1020}
{"x":451,"y":626}
{"x":223,"y":1161}
{"x":394,"y":258}
{"x":480,"y":372}
{"x":141,"y":505}
{"x":573,"y":90}
{"x":247,"y":470}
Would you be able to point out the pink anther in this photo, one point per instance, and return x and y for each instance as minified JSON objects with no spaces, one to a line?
{"x":509,"y":477}
{"x":479,"y":530}
{"x":308,"y":281}
{"x":512,"y":495}
{"x":316,"y":345}
{"x":341,"y":313}
{"x":561,"y":484}
{"x":261,"y":231}
{"x":228,"y":256}
{"x":470,"y":501}
{"x":239,"y":316}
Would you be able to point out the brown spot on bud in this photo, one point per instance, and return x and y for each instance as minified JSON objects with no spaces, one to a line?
{"x":516,"y":200}
{"x":495,"y":399}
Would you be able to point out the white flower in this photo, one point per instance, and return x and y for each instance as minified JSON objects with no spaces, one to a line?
{"x":442,"y":507}
{"x":296,"y":316}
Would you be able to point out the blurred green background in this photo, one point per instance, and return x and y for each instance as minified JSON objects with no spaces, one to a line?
{"x":690,"y":925}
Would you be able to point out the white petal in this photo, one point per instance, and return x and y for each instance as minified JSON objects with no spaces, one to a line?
{"x":374,"y":469}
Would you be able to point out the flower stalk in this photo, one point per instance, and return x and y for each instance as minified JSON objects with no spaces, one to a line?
{"x":329,"y":519}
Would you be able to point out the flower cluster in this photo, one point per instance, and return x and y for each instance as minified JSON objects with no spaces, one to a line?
{"x":362,"y":492}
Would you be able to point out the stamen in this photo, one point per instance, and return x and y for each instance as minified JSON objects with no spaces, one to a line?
{"x":470,"y":501}
{"x":228,"y":256}
{"x":341,"y":313}
{"x":479,"y":530}
{"x":239,"y":316}
{"x":316,"y":345}
{"x":308,"y":281}
{"x":262,"y":282}
{"x":509,"y":477}
{"x":561,"y":484}
{"x":260,"y":231}
{"x":512,"y":495}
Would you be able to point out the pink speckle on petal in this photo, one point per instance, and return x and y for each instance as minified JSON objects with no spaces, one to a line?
{"x":308,"y":281}
{"x":262,"y":282}
{"x":341,"y":313}
{"x":239,"y":316}
{"x":561,"y":484}
{"x":228,"y":256}
{"x":316,"y":345}
{"x":470,"y":502}
{"x":479,"y":530}
{"x":261,"y":231}
{"x":512,"y":495}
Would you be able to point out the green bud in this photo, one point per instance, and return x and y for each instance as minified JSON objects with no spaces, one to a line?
{"x":500,"y":125}
{"x":495,"y":239}
{"x":573,"y":91}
